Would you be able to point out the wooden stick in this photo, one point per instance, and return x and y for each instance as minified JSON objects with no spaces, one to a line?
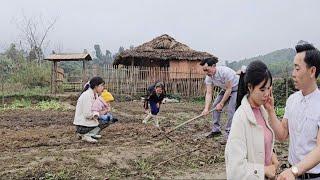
{"x":188,"y":121}
{"x":165,"y":134}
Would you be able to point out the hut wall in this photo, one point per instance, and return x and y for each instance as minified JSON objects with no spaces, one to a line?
{"x":182,"y":69}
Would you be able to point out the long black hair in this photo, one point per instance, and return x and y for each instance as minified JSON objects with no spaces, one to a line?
{"x":255,"y":73}
{"x":95,"y":81}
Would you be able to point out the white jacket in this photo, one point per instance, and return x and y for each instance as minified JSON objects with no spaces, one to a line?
{"x":83,"y":115}
{"x":244,"y":153}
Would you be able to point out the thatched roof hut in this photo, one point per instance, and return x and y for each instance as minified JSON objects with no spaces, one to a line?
{"x":159,"y":52}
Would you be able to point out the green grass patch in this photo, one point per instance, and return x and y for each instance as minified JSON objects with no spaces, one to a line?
{"x":198,"y":100}
{"x":143,"y":165}
{"x":22,"y":103}
{"x":62,"y":175}
{"x":47,"y":105}
{"x":42,"y":105}
{"x":280,"y":111}
{"x":19,"y":90}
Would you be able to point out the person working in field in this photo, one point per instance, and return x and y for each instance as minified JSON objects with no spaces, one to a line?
{"x":102,"y":106}
{"x":227,"y":80}
{"x":154,"y":98}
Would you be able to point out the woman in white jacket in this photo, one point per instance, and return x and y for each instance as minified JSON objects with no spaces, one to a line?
{"x":249,"y":150}
{"x":88,"y":127}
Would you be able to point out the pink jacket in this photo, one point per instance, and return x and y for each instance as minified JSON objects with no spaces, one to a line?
{"x":99,"y":104}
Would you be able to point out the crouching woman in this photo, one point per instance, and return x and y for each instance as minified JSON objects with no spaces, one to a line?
{"x":87,"y":126}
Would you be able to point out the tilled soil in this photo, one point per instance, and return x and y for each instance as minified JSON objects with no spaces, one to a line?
{"x":38,"y":144}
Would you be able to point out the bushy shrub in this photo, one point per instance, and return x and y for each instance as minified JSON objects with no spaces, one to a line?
{"x":280,"y":112}
{"x":279,"y":91}
{"x":31,"y":75}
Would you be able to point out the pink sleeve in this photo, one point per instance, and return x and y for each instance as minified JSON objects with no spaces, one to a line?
{"x":96,"y":106}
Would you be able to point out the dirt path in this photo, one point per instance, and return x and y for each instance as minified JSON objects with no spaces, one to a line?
{"x":42,"y":145}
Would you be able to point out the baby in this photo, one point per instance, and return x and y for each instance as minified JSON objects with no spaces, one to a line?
{"x":102,"y":107}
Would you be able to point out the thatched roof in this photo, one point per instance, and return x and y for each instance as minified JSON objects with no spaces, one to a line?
{"x":69,"y":57}
{"x":163,"y":47}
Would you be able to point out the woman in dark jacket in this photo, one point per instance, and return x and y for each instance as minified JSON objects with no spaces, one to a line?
{"x":155,"y":96}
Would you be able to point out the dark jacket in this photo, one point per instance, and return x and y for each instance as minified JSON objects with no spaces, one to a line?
{"x":152,"y":96}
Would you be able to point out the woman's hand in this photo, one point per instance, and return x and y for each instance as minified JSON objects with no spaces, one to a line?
{"x":274,"y":160}
{"x":270,"y":171}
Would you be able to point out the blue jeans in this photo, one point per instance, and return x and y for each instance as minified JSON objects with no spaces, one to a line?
{"x":106,"y":118}
{"x":154,"y":108}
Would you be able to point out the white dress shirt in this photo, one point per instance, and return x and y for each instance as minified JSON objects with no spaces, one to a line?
{"x":222,"y":75}
{"x":303,"y":114}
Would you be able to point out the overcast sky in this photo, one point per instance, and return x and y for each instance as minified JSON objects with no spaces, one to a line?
{"x":229,"y":29}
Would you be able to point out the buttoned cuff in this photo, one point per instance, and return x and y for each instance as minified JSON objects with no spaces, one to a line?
{"x":256,"y":170}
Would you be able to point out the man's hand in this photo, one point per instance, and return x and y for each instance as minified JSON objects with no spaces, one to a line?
{"x":269,"y":102}
{"x":205,"y":112}
{"x":270,"y":171}
{"x":286,"y":175}
{"x":219,"y":106}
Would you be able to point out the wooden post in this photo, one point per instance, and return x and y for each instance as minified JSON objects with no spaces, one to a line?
{"x":189,"y":84}
{"x":52,"y":77}
{"x":2,"y":89}
{"x":55,"y":67}
{"x":84,"y":73}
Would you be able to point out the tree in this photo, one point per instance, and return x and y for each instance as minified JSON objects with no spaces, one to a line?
{"x":12,"y":53}
{"x":121,"y":49}
{"x":32,"y":55}
{"x":98,"y":52}
{"x":34,"y":32}
{"x":109,"y":57}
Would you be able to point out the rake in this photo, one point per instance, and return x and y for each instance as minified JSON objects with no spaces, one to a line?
{"x":178,"y":126}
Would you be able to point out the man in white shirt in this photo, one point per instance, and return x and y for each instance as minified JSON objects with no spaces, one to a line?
{"x":227,"y":80}
{"x":301,"y":120}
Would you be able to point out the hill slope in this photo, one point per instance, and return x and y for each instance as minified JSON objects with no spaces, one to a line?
{"x":277,"y":61}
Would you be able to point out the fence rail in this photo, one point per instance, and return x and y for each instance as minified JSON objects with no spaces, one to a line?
{"x":132,"y":80}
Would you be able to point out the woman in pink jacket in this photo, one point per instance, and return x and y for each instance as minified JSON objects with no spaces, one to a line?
{"x":249,"y":150}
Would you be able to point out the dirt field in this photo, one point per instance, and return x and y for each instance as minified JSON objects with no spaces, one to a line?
{"x":38,"y":144}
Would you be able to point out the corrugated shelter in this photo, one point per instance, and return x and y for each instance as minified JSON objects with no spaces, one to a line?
{"x":164,"y":51}
{"x":55,"y":58}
